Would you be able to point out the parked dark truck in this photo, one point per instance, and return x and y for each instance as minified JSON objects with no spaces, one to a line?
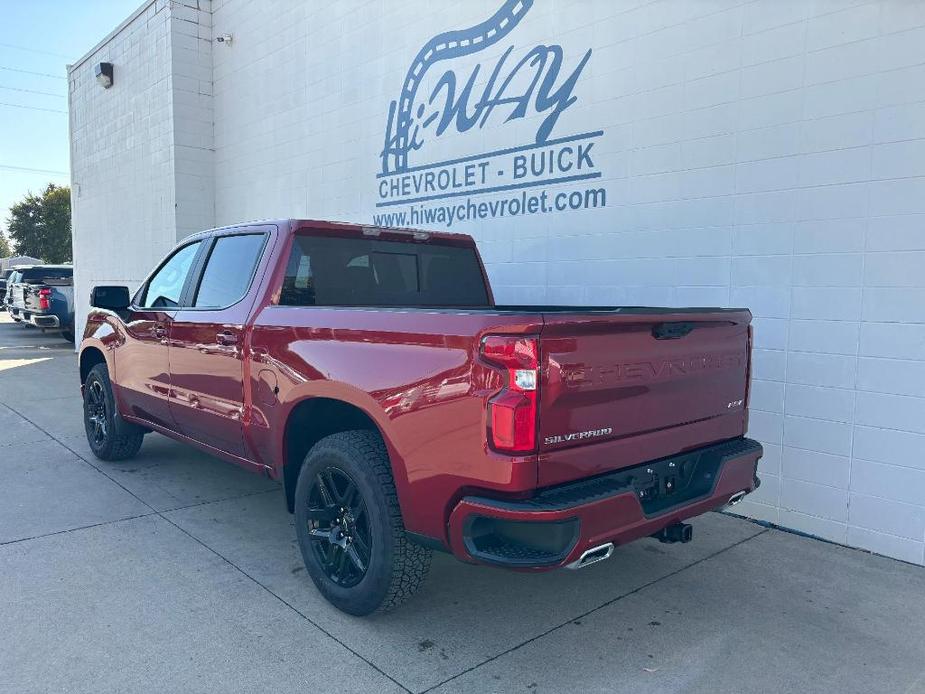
{"x":371,"y":372}
{"x":43,"y":295}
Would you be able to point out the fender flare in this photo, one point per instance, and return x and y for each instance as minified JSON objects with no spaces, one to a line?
{"x":354,"y":397}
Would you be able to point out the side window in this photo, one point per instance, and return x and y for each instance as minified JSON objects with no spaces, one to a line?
{"x":229,"y":270}
{"x":165,"y":287}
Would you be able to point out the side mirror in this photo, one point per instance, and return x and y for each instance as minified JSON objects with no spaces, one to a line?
{"x":110,"y":298}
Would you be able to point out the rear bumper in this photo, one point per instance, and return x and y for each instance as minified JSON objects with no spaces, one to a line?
{"x":559,"y":523}
{"x":43,"y":320}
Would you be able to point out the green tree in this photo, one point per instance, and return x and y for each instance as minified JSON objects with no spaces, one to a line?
{"x":5,"y":249}
{"x":40,"y":225}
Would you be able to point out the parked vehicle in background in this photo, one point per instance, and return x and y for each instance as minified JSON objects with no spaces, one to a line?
{"x":372,"y":373}
{"x":43,"y":296}
{"x":8,"y":297}
{"x":4,"y":276}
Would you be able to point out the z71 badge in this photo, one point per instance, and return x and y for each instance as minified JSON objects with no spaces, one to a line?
{"x":577,"y":436}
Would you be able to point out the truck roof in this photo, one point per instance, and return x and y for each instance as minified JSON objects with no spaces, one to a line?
{"x":351,"y":229}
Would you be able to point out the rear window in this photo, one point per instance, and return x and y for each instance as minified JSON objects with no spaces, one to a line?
{"x":48,"y":275}
{"x":332,"y":271}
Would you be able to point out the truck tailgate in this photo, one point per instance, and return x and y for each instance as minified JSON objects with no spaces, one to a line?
{"x":18,"y":297}
{"x":30,"y":298}
{"x":647,"y":374}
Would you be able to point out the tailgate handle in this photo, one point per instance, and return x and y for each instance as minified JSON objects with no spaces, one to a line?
{"x":671,"y":331}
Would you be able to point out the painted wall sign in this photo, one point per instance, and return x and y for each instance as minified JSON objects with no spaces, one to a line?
{"x":518,"y":86}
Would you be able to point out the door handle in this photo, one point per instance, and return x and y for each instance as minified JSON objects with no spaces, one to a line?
{"x":160,"y":331}
{"x":226,"y":339}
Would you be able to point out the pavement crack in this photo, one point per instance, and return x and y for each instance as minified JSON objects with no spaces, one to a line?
{"x":608,"y":603}
{"x":80,"y":527}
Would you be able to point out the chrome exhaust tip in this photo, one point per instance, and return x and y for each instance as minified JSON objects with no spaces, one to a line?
{"x":736,"y":498}
{"x":592,"y":556}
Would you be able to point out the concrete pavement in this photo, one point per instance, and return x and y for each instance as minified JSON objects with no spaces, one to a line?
{"x":177,"y":572}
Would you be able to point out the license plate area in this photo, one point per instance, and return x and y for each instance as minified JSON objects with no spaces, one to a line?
{"x":667,"y":482}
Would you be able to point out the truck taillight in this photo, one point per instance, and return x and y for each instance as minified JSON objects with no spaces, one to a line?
{"x":512,"y":412}
{"x":44,"y":298}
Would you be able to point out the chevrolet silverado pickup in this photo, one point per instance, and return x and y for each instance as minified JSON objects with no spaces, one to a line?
{"x":43,"y":296}
{"x":370,"y":371}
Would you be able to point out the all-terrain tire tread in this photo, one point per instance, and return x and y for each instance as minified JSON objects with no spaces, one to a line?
{"x":411,"y":561}
{"x":126,"y":439}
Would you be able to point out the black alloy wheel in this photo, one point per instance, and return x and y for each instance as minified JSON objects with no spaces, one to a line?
{"x":349,"y":525}
{"x":96,"y":413}
{"x":338,"y":525}
{"x":109,"y":435}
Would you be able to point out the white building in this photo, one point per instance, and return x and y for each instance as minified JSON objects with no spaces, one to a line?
{"x":768,"y":154}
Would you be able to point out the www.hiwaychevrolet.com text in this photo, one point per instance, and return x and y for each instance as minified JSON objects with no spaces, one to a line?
{"x":519,"y":204}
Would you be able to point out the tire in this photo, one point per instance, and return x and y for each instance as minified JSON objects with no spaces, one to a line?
{"x":110,"y":437}
{"x":331,"y":540}
{"x":68,"y":335}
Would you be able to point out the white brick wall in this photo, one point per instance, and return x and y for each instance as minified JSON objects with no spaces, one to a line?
{"x":191,"y":96}
{"x":141,"y":151}
{"x":766,"y":153}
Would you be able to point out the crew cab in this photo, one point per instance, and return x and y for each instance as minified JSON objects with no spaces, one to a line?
{"x":371,"y":372}
{"x":43,"y":296}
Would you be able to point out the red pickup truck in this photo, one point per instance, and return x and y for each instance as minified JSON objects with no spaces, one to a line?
{"x":371,"y":372}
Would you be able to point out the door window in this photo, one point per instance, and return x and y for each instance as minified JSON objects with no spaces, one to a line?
{"x":229,"y":270}
{"x":166,"y":285}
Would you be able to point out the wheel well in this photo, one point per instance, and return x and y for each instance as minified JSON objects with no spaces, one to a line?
{"x":308,"y":423}
{"x":89,"y":358}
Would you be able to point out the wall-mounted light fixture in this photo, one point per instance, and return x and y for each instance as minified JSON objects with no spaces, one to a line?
{"x":224,"y":38}
{"x":104,"y":74}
